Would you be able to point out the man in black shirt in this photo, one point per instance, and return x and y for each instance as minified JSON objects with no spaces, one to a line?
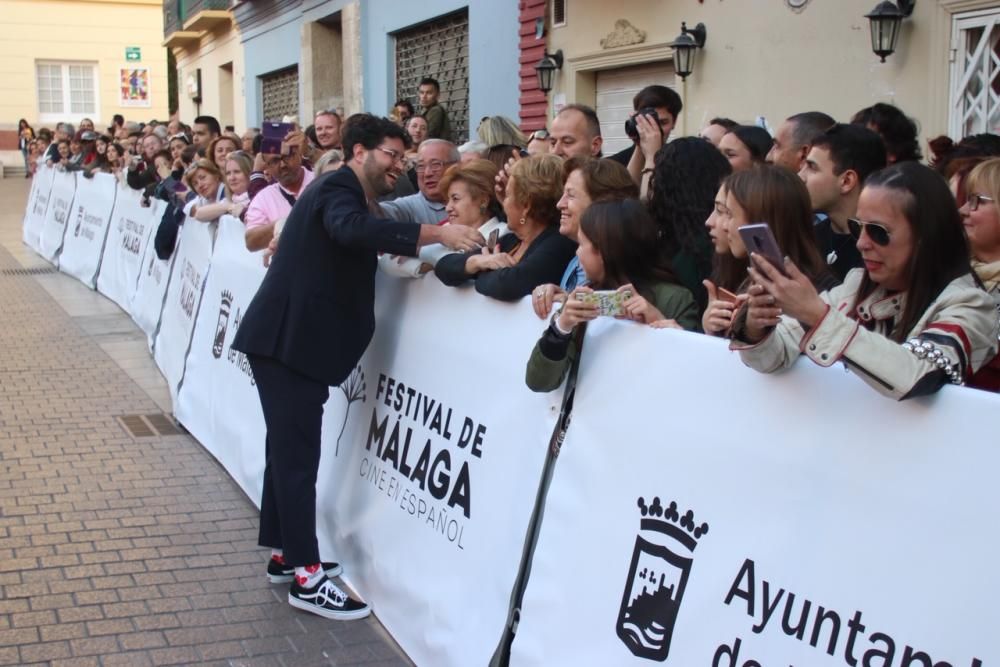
{"x":834,"y":172}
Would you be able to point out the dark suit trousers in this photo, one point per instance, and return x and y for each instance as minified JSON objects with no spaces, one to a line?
{"x":293,"y":413}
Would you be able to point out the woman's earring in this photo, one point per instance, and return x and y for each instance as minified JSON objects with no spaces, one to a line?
{"x":521,"y":220}
{"x":482,"y":209}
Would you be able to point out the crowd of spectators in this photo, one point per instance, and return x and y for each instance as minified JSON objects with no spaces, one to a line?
{"x":890,"y":266}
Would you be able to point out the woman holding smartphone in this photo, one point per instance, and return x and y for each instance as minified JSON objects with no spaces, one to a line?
{"x":618,"y":251}
{"x":912,"y":320}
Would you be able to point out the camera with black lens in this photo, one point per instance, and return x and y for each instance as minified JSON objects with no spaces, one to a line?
{"x":631,"y":130}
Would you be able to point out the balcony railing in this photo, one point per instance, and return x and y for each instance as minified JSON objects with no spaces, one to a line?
{"x":192,"y":15}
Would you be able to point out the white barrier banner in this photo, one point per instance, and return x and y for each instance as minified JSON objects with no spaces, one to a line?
{"x":38,"y":201}
{"x":131,"y":232}
{"x":88,"y":228}
{"x":218,"y":400}
{"x":704,"y":514}
{"x":180,"y":306}
{"x":57,"y":213}
{"x":432,"y":455}
{"x":146,"y":305}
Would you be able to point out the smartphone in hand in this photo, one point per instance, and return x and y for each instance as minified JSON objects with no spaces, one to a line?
{"x":491,"y":242}
{"x":725,"y":295}
{"x":610,"y":303}
{"x":759,"y":239}
{"x":273,"y":136}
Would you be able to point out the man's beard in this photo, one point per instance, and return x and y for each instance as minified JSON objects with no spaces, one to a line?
{"x":377,"y":179}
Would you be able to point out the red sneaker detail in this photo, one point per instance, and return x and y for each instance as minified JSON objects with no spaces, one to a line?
{"x":301,"y":581}
{"x":312,"y":569}
{"x":280,"y":560}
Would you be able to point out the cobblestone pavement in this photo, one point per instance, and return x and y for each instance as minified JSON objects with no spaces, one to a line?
{"x":117,"y":550}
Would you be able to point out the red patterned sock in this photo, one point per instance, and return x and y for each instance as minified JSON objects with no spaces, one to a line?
{"x":277,"y":556}
{"x":309,"y":576}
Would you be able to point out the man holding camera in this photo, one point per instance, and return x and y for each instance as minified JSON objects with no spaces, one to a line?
{"x":656,"y":110}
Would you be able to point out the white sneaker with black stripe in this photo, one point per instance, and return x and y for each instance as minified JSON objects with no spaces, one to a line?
{"x":326,"y":599}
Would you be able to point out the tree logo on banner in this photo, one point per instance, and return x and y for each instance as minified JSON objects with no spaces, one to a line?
{"x":354,"y":390}
{"x":219,"y":342}
{"x":79,"y":221}
{"x":661,"y":563}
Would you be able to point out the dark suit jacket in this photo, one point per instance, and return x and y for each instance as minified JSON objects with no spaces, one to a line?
{"x":315,"y":312}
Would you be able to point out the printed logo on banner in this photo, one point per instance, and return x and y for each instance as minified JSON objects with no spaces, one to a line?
{"x":418,"y":454}
{"x":354,"y":388}
{"x":79,"y":221}
{"x":222,"y":327}
{"x":657,"y":577}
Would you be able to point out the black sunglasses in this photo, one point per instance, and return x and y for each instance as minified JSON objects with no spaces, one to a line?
{"x":879,"y":234}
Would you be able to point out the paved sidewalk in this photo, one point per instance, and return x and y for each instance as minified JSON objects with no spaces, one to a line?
{"x":117,"y":550}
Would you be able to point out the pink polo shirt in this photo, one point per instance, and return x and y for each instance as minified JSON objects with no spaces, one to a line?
{"x":270,"y":205}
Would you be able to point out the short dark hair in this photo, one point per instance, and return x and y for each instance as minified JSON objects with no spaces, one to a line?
{"x":658,"y":96}
{"x":593,"y":122}
{"x":756,"y":139}
{"x":311,"y":135}
{"x":898,"y":132}
{"x":165,"y":154}
{"x":406,"y":104}
{"x":808,"y":126}
{"x":853,"y":147}
{"x":727,"y":123}
{"x":369,"y":131}
{"x":430,"y":81}
{"x":211,"y":122}
{"x":118,"y":119}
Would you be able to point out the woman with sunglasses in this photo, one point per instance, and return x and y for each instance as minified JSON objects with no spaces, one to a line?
{"x":982,"y":227}
{"x":913,"y":319}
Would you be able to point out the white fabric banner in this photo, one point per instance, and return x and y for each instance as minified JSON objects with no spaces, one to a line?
{"x":187,"y":279}
{"x":146,"y":304}
{"x":88,"y":228}
{"x":828,"y":525}
{"x":38,"y":201}
{"x":432,"y":454}
{"x":218,"y":400}
{"x":131,"y":232}
{"x":57,"y":213}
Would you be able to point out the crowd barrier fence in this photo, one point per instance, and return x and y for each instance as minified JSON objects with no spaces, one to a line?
{"x":700,"y":513}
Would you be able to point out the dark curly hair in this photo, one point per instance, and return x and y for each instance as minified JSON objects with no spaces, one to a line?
{"x":686,"y":177}
{"x":898,"y":131}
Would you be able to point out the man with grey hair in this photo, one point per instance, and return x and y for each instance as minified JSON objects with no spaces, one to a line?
{"x":427,"y":206}
{"x":794,"y":138}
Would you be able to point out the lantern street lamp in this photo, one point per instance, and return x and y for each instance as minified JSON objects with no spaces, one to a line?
{"x":546,"y":69}
{"x":885,"y":20}
{"x":684,"y":47}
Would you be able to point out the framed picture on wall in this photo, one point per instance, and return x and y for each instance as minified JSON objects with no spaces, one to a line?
{"x":134,"y":87}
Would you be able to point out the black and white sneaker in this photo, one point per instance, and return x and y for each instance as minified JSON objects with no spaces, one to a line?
{"x":279,"y":573}
{"x":327,"y":600}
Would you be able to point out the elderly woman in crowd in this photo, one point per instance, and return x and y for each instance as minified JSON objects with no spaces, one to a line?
{"x":331,"y":160}
{"x":534,"y":252}
{"x":618,"y":251}
{"x":778,"y":197}
{"x":912,"y":320}
{"x":745,"y":145}
{"x":982,"y":228}
{"x":588,"y":180}
{"x":471,"y":202}
{"x":204,"y":178}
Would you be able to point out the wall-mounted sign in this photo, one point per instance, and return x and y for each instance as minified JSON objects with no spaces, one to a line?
{"x":134,"y":87}
{"x":133,"y":54}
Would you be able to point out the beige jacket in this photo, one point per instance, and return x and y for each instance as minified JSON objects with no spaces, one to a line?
{"x":955,"y":336}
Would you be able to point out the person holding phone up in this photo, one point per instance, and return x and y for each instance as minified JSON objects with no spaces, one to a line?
{"x":912,"y":320}
{"x":618,"y":251}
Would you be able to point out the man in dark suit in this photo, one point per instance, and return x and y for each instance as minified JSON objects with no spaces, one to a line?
{"x":306,"y":329}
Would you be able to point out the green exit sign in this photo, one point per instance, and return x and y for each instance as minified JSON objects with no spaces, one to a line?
{"x":133,"y":53}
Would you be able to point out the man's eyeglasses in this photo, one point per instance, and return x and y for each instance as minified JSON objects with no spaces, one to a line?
{"x":432,"y":166}
{"x":275,"y":159}
{"x":394,"y":154}
{"x":975,"y":199}
{"x":879,"y":234}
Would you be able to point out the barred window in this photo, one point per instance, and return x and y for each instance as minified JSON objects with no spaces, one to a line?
{"x":280,"y":94}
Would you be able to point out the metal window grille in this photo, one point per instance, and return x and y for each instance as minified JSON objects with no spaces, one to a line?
{"x":280,"y":94}
{"x":558,"y":12}
{"x":975,"y":74}
{"x":439,"y":49}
